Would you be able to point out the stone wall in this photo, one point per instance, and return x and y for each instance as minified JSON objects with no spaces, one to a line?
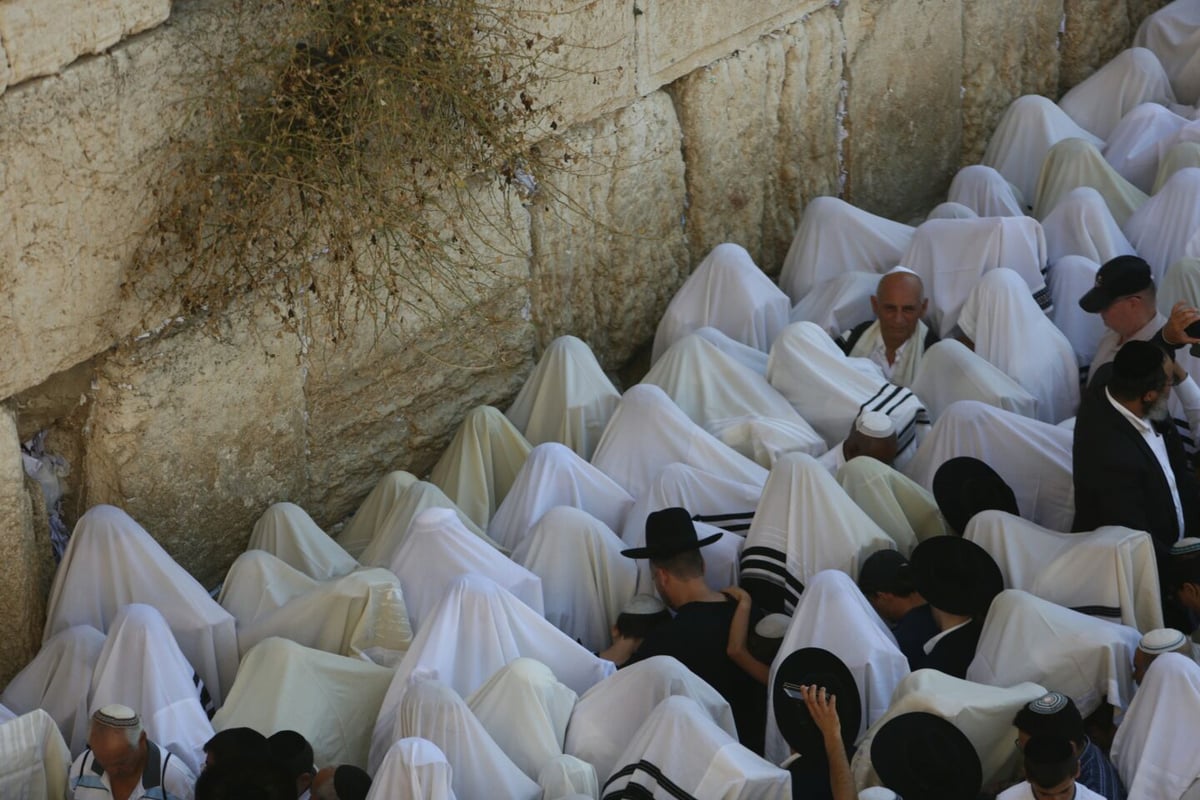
{"x":698,"y":122}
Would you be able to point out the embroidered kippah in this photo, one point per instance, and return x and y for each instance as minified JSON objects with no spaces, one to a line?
{"x":1161,"y":640}
{"x":1186,"y":546}
{"x":1050,"y":703}
{"x":116,"y":716}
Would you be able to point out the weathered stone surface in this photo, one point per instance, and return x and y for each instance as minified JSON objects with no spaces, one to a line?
{"x":1095,"y":31}
{"x":904,"y":109}
{"x":1140,"y":9}
{"x":675,"y":37}
{"x":1009,"y":49}
{"x":607,"y":230}
{"x":761,"y":138}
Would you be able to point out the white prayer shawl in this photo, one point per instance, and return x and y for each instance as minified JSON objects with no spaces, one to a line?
{"x":1167,"y":227}
{"x":765,"y":439}
{"x":568,"y":778}
{"x":950,"y":372}
{"x":330,"y":699}
{"x":585,"y":579}
{"x":34,"y":761}
{"x":413,"y":769}
{"x":986,"y":192}
{"x":1182,"y":282}
{"x":1155,"y":747}
{"x":1110,"y":572}
{"x":1070,"y":279}
{"x":834,"y":615}
{"x":419,"y":496}
{"x":1082,"y":225}
{"x":744,"y":354}
{"x":525,"y":710}
{"x":1140,"y":141}
{"x":287,"y":532}
{"x":59,"y":681}
{"x":141,"y":667}
{"x":649,"y":431}
{"x":983,"y":713}
{"x":479,"y":617}
{"x":365,"y":523}
{"x":1031,"y":125}
{"x":951,"y":255}
{"x":905,"y":510}
{"x":8,"y":715}
{"x":431,"y":710}
{"x":838,"y":304}
{"x":111,"y":562}
{"x":904,"y":371}
{"x":835,"y":237}
{"x":804,"y":524}
{"x":1134,"y":76}
{"x":1173,"y":34}
{"x":727,"y":292}
{"x":479,"y":466}
{"x":1011,"y":332}
{"x":824,"y":386}
{"x":1180,"y":155}
{"x":438,"y":550}
{"x":258,"y":583}
{"x":552,"y":476}
{"x":568,"y":399}
{"x":680,"y":748}
{"x":1026,"y":638}
{"x":608,"y":715}
{"x":1032,"y":457}
{"x":953,"y":211}
{"x":1077,"y":162}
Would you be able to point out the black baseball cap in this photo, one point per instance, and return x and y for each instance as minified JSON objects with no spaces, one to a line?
{"x":1118,"y":277}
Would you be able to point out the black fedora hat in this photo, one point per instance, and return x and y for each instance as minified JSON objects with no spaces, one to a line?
{"x":956,"y":575}
{"x":922,"y":755}
{"x":813,"y":666}
{"x":964,"y":486}
{"x":669,"y":532}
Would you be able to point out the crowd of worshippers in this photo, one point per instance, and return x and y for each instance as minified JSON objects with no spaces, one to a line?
{"x":921,"y":520}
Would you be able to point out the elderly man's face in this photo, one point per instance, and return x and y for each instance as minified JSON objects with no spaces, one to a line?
{"x":113,"y":752}
{"x":899,"y":305}
{"x":1125,"y":315}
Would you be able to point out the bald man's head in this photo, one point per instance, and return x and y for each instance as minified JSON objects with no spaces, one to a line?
{"x":899,"y":303}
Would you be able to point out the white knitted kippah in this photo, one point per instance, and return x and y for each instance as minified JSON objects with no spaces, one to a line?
{"x":875,"y":424}
{"x":1186,"y":546}
{"x":773,"y":626}
{"x":643,"y":604}
{"x":1161,"y":640}
{"x":116,"y":716}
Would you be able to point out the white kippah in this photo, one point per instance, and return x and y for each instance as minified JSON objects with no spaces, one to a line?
{"x":875,"y":424}
{"x":773,"y":626}
{"x":878,"y":793}
{"x":1161,"y":640}
{"x":900,"y":270}
{"x":116,"y":716}
{"x":1186,"y":546}
{"x":644,"y":604}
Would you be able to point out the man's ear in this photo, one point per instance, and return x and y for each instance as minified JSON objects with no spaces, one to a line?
{"x":874,"y":306}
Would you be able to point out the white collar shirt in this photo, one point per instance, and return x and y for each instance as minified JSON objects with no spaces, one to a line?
{"x":879,"y":357}
{"x":1158,"y":446}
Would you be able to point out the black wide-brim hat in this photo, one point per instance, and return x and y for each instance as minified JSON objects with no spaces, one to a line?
{"x":956,"y":575}
{"x":813,"y":666}
{"x":921,"y":755}
{"x":668,"y":533}
{"x":963,"y":486}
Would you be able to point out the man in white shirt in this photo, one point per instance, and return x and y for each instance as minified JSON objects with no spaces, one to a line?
{"x":1051,"y":767}
{"x":122,"y":764}
{"x":896,"y":339}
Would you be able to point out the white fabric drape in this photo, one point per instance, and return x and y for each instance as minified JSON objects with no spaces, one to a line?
{"x":1132,"y":77}
{"x":286,"y":531}
{"x":950,"y":372}
{"x":1155,"y":747}
{"x":568,"y":778}
{"x":1182,"y":282}
{"x":1180,"y":155}
{"x":364,"y":525}
{"x":986,"y":192}
{"x":1077,"y":162}
{"x":480,"y":463}
{"x":764,"y":439}
{"x":34,"y":761}
{"x":744,"y":354}
{"x":905,"y":510}
{"x":952,"y":211}
{"x":1082,"y":225}
{"x":1173,"y":34}
{"x":1140,"y":141}
{"x":838,"y":304}
{"x":1070,"y":279}
{"x":413,"y":769}
{"x":393,"y":527}
{"x":1167,"y":227}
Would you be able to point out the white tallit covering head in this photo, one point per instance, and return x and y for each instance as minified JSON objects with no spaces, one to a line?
{"x":286,"y":531}
{"x":1155,"y":748}
{"x":258,"y":583}
{"x":951,"y":211}
{"x":1070,"y":279}
{"x":479,"y":465}
{"x":834,"y":615}
{"x":585,"y":579}
{"x":1026,"y":638}
{"x":1173,"y":34}
{"x":365,"y":523}
{"x":1082,"y":225}
{"x":764,"y":439}
{"x":835,"y":237}
{"x":744,"y":354}
{"x":439,"y":549}
{"x":1180,"y":155}
{"x":552,"y":476}
{"x":1012,"y":333}
{"x":331,"y":700}
{"x":905,"y":510}
{"x":986,"y":192}
{"x":59,"y":681}
{"x":951,"y":255}
{"x":141,"y":667}
{"x":479,"y":617}
{"x":983,"y":713}
{"x":568,"y":778}
{"x":1132,"y":77}
{"x":680,"y":743}
{"x":820,"y":382}
{"x":111,"y":562}
{"x":950,"y":372}
{"x":1109,"y":572}
{"x":413,"y":769}
{"x":804,"y":524}
{"x":1140,"y":141}
{"x":1167,"y":227}
{"x":1034,"y":458}
{"x":431,"y":710}
{"x":525,"y":710}
{"x":1031,"y":125}
{"x":649,"y":431}
{"x":568,"y":399}
{"x":8,"y":715}
{"x":1182,"y":282}
{"x":417,"y":497}
{"x":838,"y":304}
{"x":728,"y":292}
{"x":34,"y":760}
{"x":1077,"y":162}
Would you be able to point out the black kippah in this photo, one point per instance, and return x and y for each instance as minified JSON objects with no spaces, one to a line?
{"x":1137,"y":360}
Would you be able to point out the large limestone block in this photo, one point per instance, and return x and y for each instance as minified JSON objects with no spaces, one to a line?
{"x":1009,"y":49}
{"x":904,"y":109}
{"x":761,"y":134}
{"x":608,"y":240}
{"x":675,"y":37}
{"x":1094,"y":32}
